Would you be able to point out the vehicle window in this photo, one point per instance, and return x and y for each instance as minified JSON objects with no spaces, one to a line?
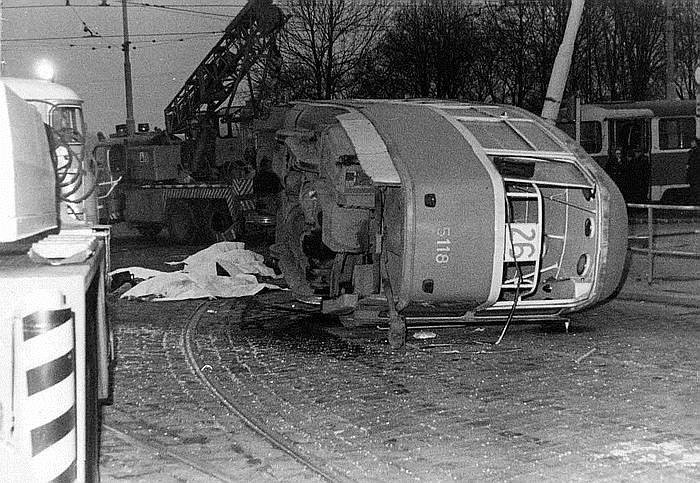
{"x":676,"y":133}
{"x":569,"y":128}
{"x":496,"y":135}
{"x":591,"y":136}
{"x":630,"y":134}
{"x":538,"y":136}
{"x":67,"y":118}
{"x":538,"y":170}
{"x":520,"y":135}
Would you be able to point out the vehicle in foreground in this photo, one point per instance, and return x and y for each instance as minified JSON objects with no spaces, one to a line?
{"x":446,"y":212}
{"x":55,"y":342}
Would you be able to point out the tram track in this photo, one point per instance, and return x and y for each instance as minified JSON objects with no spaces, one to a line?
{"x":329,"y":401}
{"x":211,"y":444}
{"x":275,"y":439}
{"x":206,"y":469}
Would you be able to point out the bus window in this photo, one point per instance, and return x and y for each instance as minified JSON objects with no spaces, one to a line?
{"x":67,"y":118}
{"x":630,"y":134}
{"x":676,"y":133}
{"x":591,"y":134}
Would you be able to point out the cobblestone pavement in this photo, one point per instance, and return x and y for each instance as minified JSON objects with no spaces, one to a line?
{"x":615,"y":399}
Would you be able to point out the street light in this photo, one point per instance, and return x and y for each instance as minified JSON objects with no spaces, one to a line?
{"x":45,"y":70}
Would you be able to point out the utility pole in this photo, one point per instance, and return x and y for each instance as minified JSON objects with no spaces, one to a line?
{"x":562,"y":63}
{"x":130,"y":124}
{"x":1,"y":37}
{"x":670,"y":57}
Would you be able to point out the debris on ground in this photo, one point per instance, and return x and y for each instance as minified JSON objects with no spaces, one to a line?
{"x":424,"y":334}
{"x":223,"y":270}
{"x":580,"y":359}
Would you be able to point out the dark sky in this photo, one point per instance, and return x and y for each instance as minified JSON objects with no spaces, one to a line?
{"x":167,"y":44}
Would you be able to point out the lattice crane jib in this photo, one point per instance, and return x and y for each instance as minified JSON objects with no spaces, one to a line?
{"x":249,"y":39}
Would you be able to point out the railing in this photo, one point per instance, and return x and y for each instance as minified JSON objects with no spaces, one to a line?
{"x":652,"y":237}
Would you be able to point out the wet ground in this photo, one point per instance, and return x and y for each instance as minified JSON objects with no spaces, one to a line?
{"x":615,"y":399}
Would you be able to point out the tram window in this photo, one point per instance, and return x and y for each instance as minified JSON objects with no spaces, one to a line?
{"x":676,"y":133}
{"x":67,"y":118}
{"x":537,"y":136}
{"x":497,"y":135}
{"x":591,"y":134}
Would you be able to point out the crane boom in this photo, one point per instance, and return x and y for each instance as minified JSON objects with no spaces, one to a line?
{"x":247,"y":40}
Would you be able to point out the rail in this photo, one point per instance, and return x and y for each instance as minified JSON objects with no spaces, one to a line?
{"x":651,"y":236}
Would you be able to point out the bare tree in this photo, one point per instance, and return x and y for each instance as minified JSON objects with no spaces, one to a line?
{"x":324,"y":43}
{"x":687,"y":50}
{"x":503,"y":51}
{"x":639,"y":24}
{"x":523,"y":38}
{"x":428,"y":48}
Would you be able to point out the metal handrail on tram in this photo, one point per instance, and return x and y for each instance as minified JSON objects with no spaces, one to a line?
{"x":650,"y":251}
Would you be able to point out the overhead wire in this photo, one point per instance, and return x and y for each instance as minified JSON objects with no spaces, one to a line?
{"x":86,"y":28}
{"x":76,"y":37}
{"x":181,"y":10}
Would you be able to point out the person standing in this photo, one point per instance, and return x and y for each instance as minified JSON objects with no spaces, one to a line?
{"x":639,"y":176}
{"x":614,"y":165}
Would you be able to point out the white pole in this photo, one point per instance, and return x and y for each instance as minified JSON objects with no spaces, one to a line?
{"x":1,"y":37}
{"x":562,"y":63}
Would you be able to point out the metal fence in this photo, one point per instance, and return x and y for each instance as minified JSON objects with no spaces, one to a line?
{"x":683,"y":222}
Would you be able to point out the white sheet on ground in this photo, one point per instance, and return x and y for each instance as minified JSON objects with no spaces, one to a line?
{"x":138,"y":272}
{"x":198,"y":279}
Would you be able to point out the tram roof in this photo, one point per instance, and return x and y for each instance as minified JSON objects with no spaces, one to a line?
{"x":657,"y":108}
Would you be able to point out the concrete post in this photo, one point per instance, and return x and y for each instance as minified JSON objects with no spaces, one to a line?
{"x":562,"y":63}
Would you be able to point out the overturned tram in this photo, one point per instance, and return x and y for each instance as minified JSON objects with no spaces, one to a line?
{"x":447,"y":212}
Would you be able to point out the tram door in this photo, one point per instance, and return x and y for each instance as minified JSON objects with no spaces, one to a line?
{"x":633,"y":137}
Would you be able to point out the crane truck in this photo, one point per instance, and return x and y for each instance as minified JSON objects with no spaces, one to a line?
{"x":195,"y":178}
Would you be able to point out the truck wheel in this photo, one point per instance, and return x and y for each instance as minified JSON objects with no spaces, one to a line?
{"x":181,"y":222}
{"x":213,"y":219}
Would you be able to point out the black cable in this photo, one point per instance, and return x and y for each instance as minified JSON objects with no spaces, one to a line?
{"x":181,"y":10}
{"x":76,"y":37}
{"x":72,"y":173}
{"x":509,"y":214}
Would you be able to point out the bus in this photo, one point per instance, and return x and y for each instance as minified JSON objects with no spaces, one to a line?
{"x":658,"y":132}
